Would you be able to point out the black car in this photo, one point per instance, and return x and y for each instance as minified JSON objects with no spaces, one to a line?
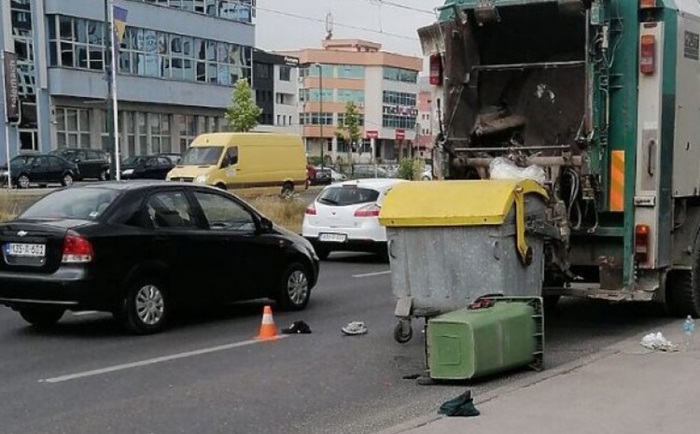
{"x":322,"y":177}
{"x":93,"y":163}
{"x":146,"y":167}
{"x":175,"y":158}
{"x":144,"y":248}
{"x":40,"y":169}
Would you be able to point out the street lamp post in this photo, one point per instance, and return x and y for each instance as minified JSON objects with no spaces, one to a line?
{"x":320,"y":109}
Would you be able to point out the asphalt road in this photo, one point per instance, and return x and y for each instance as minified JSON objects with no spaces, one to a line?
{"x":205,"y":376}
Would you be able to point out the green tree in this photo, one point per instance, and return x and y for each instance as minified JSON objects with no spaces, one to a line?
{"x":243,"y":114}
{"x":350,"y":128}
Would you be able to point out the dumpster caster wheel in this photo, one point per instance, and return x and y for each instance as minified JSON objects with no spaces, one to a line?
{"x":403,"y":332}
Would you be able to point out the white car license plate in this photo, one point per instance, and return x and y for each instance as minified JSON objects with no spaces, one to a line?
{"x":332,"y":238}
{"x":26,"y":250}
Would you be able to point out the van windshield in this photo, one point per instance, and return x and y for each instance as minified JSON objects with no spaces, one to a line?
{"x":202,"y":156}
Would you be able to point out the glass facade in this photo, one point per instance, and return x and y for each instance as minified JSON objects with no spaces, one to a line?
{"x":349,"y":95}
{"x":351,"y":71}
{"x":400,"y":74}
{"x":72,"y":127}
{"x":236,"y":10}
{"x":316,"y":118}
{"x":399,"y":98}
{"x":341,"y":119}
{"x":78,"y":43}
{"x":397,"y":121}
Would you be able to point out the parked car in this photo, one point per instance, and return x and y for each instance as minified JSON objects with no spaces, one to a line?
{"x":40,"y":169}
{"x":321,"y":176}
{"x":146,"y":167}
{"x":366,"y":172}
{"x":175,"y":158}
{"x":337,"y":176}
{"x":93,"y":163}
{"x":345,"y":217}
{"x":142,"y":249}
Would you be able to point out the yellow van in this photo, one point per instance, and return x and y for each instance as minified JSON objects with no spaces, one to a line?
{"x":239,"y":160}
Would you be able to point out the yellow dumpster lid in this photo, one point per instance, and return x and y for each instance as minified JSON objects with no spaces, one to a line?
{"x":453,"y":203}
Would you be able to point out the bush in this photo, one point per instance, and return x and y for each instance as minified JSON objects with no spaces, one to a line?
{"x":411,"y":168}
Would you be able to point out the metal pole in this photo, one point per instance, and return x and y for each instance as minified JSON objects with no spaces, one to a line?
{"x":108,"y":60}
{"x":115,"y":104}
{"x":6,"y":123}
{"x":373,"y":144}
{"x":320,"y":110}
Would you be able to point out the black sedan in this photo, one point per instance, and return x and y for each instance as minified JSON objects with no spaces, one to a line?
{"x":146,"y":167}
{"x":142,"y":249}
{"x":92,"y":163}
{"x":40,"y":169}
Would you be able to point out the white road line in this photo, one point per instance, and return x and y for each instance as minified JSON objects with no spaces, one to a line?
{"x":153,"y":361}
{"x":378,"y":273}
{"x":85,"y":312}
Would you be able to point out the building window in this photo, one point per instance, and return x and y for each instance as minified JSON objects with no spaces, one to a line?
{"x":76,"y":43}
{"x":235,"y":10}
{"x":263,"y":71}
{"x":400,"y":74}
{"x":316,"y":118}
{"x":285,"y":73}
{"x":328,"y":71}
{"x":398,"y":121}
{"x":399,"y":98}
{"x":160,"y":133}
{"x":72,"y":127}
{"x":341,"y":119}
{"x":314,"y":95}
{"x":348,"y":95}
{"x":351,"y":71}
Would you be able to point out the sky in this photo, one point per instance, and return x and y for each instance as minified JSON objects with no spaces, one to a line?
{"x":392,"y":24}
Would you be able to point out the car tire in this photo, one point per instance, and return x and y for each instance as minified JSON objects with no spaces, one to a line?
{"x":67,"y":180}
{"x":23,"y":181}
{"x":322,"y":252}
{"x":41,"y":317}
{"x":104,"y":176}
{"x":287,"y":189}
{"x":294,"y":289}
{"x":221,"y":186}
{"x":146,"y":308}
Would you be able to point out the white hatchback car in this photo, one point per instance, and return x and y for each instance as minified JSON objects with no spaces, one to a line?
{"x":345,"y":217}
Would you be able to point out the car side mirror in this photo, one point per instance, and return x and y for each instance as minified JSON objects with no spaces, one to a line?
{"x":265,"y":225}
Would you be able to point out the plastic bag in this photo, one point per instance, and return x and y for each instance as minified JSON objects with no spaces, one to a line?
{"x":657,"y":341}
{"x":502,"y":168}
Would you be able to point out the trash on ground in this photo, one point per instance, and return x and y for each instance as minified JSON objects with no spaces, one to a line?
{"x":297,"y":327}
{"x":657,"y":342}
{"x":411,"y":377}
{"x":502,"y":168}
{"x":463,"y":406}
{"x":355,"y":328}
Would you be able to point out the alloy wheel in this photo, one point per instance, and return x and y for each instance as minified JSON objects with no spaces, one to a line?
{"x":297,"y":287}
{"x":150,"y":305}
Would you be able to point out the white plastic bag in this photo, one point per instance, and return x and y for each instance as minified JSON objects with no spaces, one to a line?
{"x":657,"y":341}
{"x":502,"y":168}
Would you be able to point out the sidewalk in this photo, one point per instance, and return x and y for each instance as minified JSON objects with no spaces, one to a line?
{"x":626,"y":389}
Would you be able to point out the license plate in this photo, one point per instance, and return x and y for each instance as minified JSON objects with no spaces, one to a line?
{"x":25,"y":250}
{"x":333,"y":238}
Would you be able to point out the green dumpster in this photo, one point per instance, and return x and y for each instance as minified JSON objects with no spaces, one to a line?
{"x":471,"y":343}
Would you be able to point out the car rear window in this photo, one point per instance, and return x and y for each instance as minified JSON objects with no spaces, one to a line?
{"x":347,"y":195}
{"x":74,"y":203}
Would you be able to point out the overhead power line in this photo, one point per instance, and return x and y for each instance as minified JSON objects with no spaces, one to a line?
{"x":400,"y":6}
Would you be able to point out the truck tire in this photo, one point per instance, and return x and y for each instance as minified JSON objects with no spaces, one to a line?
{"x":683,"y":287}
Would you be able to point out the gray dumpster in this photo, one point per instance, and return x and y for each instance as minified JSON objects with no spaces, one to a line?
{"x":451,"y":242}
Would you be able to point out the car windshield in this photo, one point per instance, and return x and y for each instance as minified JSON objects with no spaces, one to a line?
{"x":134,"y":161}
{"x":75,"y":203}
{"x":202,"y":156}
{"x":347,"y":195}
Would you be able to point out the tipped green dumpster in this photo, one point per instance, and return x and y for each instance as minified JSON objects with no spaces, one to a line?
{"x":471,"y":343}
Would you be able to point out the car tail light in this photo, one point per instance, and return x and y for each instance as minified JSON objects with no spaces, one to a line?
{"x":641,"y":243}
{"x":371,"y":210}
{"x":311,"y":210}
{"x":647,"y":60}
{"x":646,"y":4}
{"x":77,"y":250}
{"x":436,"y":70}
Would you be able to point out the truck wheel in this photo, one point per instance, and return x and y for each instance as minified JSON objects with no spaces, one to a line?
{"x":403,"y":332}
{"x":41,"y":317}
{"x":683,"y":287}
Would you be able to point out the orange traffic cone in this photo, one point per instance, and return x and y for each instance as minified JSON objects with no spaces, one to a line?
{"x":267,"y":328}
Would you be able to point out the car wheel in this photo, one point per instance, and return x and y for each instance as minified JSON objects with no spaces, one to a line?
{"x":145,"y":309}
{"x":322,"y":252}
{"x":67,"y":180}
{"x":103,"y":175}
{"x":23,"y":181}
{"x":287,"y":189}
{"x":41,"y":317}
{"x":221,"y":186}
{"x":295,"y":288}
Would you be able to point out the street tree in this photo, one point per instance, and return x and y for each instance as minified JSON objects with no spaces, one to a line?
{"x":243,"y":113}
{"x":350,"y":128}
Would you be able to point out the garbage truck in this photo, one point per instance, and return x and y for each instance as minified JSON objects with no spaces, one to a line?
{"x":604,"y":97}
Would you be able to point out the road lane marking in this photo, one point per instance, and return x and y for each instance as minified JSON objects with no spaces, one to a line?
{"x":378,"y":273}
{"x":85,"y":312}
{"x":153,"y":361}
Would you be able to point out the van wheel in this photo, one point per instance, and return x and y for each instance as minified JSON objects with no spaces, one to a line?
{"x":287,"y":189}
{"x":221,"y":186}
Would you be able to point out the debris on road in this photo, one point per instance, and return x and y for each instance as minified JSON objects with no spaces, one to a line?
{"x":299,"y":327}
{"x":355,"y":328}
{"x":463,"y":406}
{"x":657,"y":342}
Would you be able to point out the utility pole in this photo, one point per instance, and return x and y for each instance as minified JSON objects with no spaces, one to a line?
{"x":110,"y":68}
{"x":320,"y":109}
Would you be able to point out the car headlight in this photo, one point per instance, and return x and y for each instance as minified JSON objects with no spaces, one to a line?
{"x":128,"y":172}
{"x":201,"y":179}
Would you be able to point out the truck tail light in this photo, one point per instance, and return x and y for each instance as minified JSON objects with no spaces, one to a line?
{"x":641,"y":243}
{"x":647,"y":59}
{"x":311,"y":210}
{"x":77,"y":250}
{"x":371,"y":210}
{"x":436,"y":70}
{"x":646,"y":4}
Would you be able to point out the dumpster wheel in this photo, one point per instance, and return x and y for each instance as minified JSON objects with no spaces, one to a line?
{"x":403,"y":332}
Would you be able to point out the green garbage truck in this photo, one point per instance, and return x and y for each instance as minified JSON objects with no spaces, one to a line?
{"x":604,"y":97}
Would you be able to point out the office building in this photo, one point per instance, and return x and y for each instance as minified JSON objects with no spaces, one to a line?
{"x":276,"y":79}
